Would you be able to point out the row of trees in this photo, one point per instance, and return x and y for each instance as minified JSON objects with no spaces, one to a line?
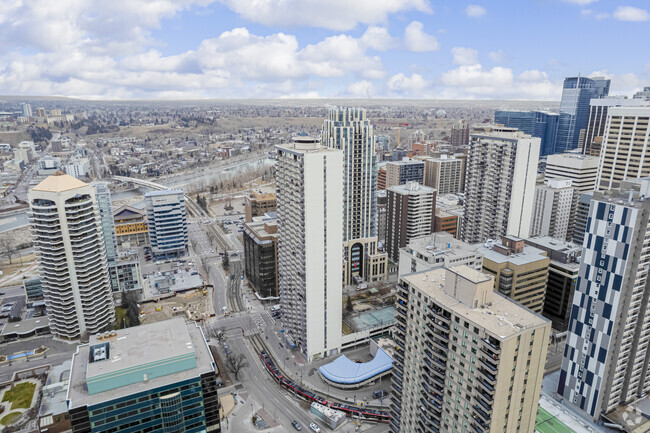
{"x":202,"y":201}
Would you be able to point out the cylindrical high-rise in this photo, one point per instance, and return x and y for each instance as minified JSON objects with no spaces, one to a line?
{"x":69,"y":247}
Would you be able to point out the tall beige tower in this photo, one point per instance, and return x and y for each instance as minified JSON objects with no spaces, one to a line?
{"x":65,"y":226}
{"x":467,"y":359}
{"x":309,"y":180}
{"x":625,"y":152}
{"x":500,"y":184}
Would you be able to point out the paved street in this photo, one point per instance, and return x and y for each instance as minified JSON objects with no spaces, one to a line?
{"x":259,"y":390}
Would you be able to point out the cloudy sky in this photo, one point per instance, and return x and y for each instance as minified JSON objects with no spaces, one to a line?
{"x":489,"y":49}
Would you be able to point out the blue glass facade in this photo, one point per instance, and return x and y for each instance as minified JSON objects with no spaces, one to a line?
{"x":574,"y":109}
{"x":190,"y":406}
{"x":535,"y":123}
{"x":167,"y":219}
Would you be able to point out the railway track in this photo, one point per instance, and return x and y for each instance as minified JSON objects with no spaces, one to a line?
{"x":259,"y":345}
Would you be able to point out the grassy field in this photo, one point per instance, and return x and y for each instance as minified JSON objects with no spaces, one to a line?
{"x":9,"y":418}
{"x":547,"y":423}
{"x":21,"y":396}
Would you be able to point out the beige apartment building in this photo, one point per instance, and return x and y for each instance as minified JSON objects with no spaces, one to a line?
{"x":257,"y":203}
{"x":520,"y":271}
{"x":444,"y":173}
{"x":467,"y":359}
{"x":625,"y":153}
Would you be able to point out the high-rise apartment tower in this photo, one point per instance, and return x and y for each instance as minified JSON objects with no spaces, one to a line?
{"x":309,"y":181}
{"x":499,"y":185}
{"x":69,"y":246}
{"x":348,"y":130}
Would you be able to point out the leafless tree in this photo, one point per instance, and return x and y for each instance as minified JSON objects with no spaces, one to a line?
{"x":7,"y":247}
{"x":205,"y":263}
{"x":234,"y":364}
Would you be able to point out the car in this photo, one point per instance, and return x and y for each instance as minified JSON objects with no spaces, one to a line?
{"x":219,"y":382}
{"x":275,"y":307}
{"x":296,"y":425}
{"x":211,"y":251}
{"x":314,"y":427}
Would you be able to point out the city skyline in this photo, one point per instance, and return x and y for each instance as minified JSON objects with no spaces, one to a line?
{"x":393,"y":49}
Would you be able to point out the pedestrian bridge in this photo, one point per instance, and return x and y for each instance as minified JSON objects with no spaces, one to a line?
{"x":141,"y":182}
{"x":192,"y":207}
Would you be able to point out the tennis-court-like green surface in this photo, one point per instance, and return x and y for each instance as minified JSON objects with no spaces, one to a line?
{"x":547,"y":423}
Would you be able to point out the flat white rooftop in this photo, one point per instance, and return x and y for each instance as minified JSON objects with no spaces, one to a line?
{"x":503,"y":318}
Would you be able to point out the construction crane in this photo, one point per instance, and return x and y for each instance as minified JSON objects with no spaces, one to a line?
{"x":399,"y":131}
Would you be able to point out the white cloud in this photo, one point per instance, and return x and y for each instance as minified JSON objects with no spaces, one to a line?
{"x":475,"y":11}
{"x":630,"y":13}
{"x":117,"y":27}
{"x":413,"y":85}
{"x":464,"y":56}
{"x":498,"y":56}
{"x":336,"y":55}
{"x":360,"y":89}
{"x":237,"y":63}
{"x":378,"y":39}
{"x":332,"y":14}
{"x":475,"y":76}
{"x":415,"y":39}
{"x":473,"y":81}
{"x":602,"y":16}
{"x":580,"y":2}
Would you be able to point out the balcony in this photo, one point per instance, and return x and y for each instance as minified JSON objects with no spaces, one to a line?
{"x":488,"y":364}
{"x":440,"y":344}
{"x":440,"y":324}
{"x":487,"y":407}
{"x":494,"y":345}
{"x":489,"y":388}
{"x":487,"y":396}
{"x":484,"y":417}
{"x":490,"y":353}
{"x":439,"y":315}
{"x":491,"y":378}
{"x":440,"y":372}
{"x":442,"y":354}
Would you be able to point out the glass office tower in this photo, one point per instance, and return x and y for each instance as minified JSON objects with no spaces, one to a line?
{"x":574,"y":108}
